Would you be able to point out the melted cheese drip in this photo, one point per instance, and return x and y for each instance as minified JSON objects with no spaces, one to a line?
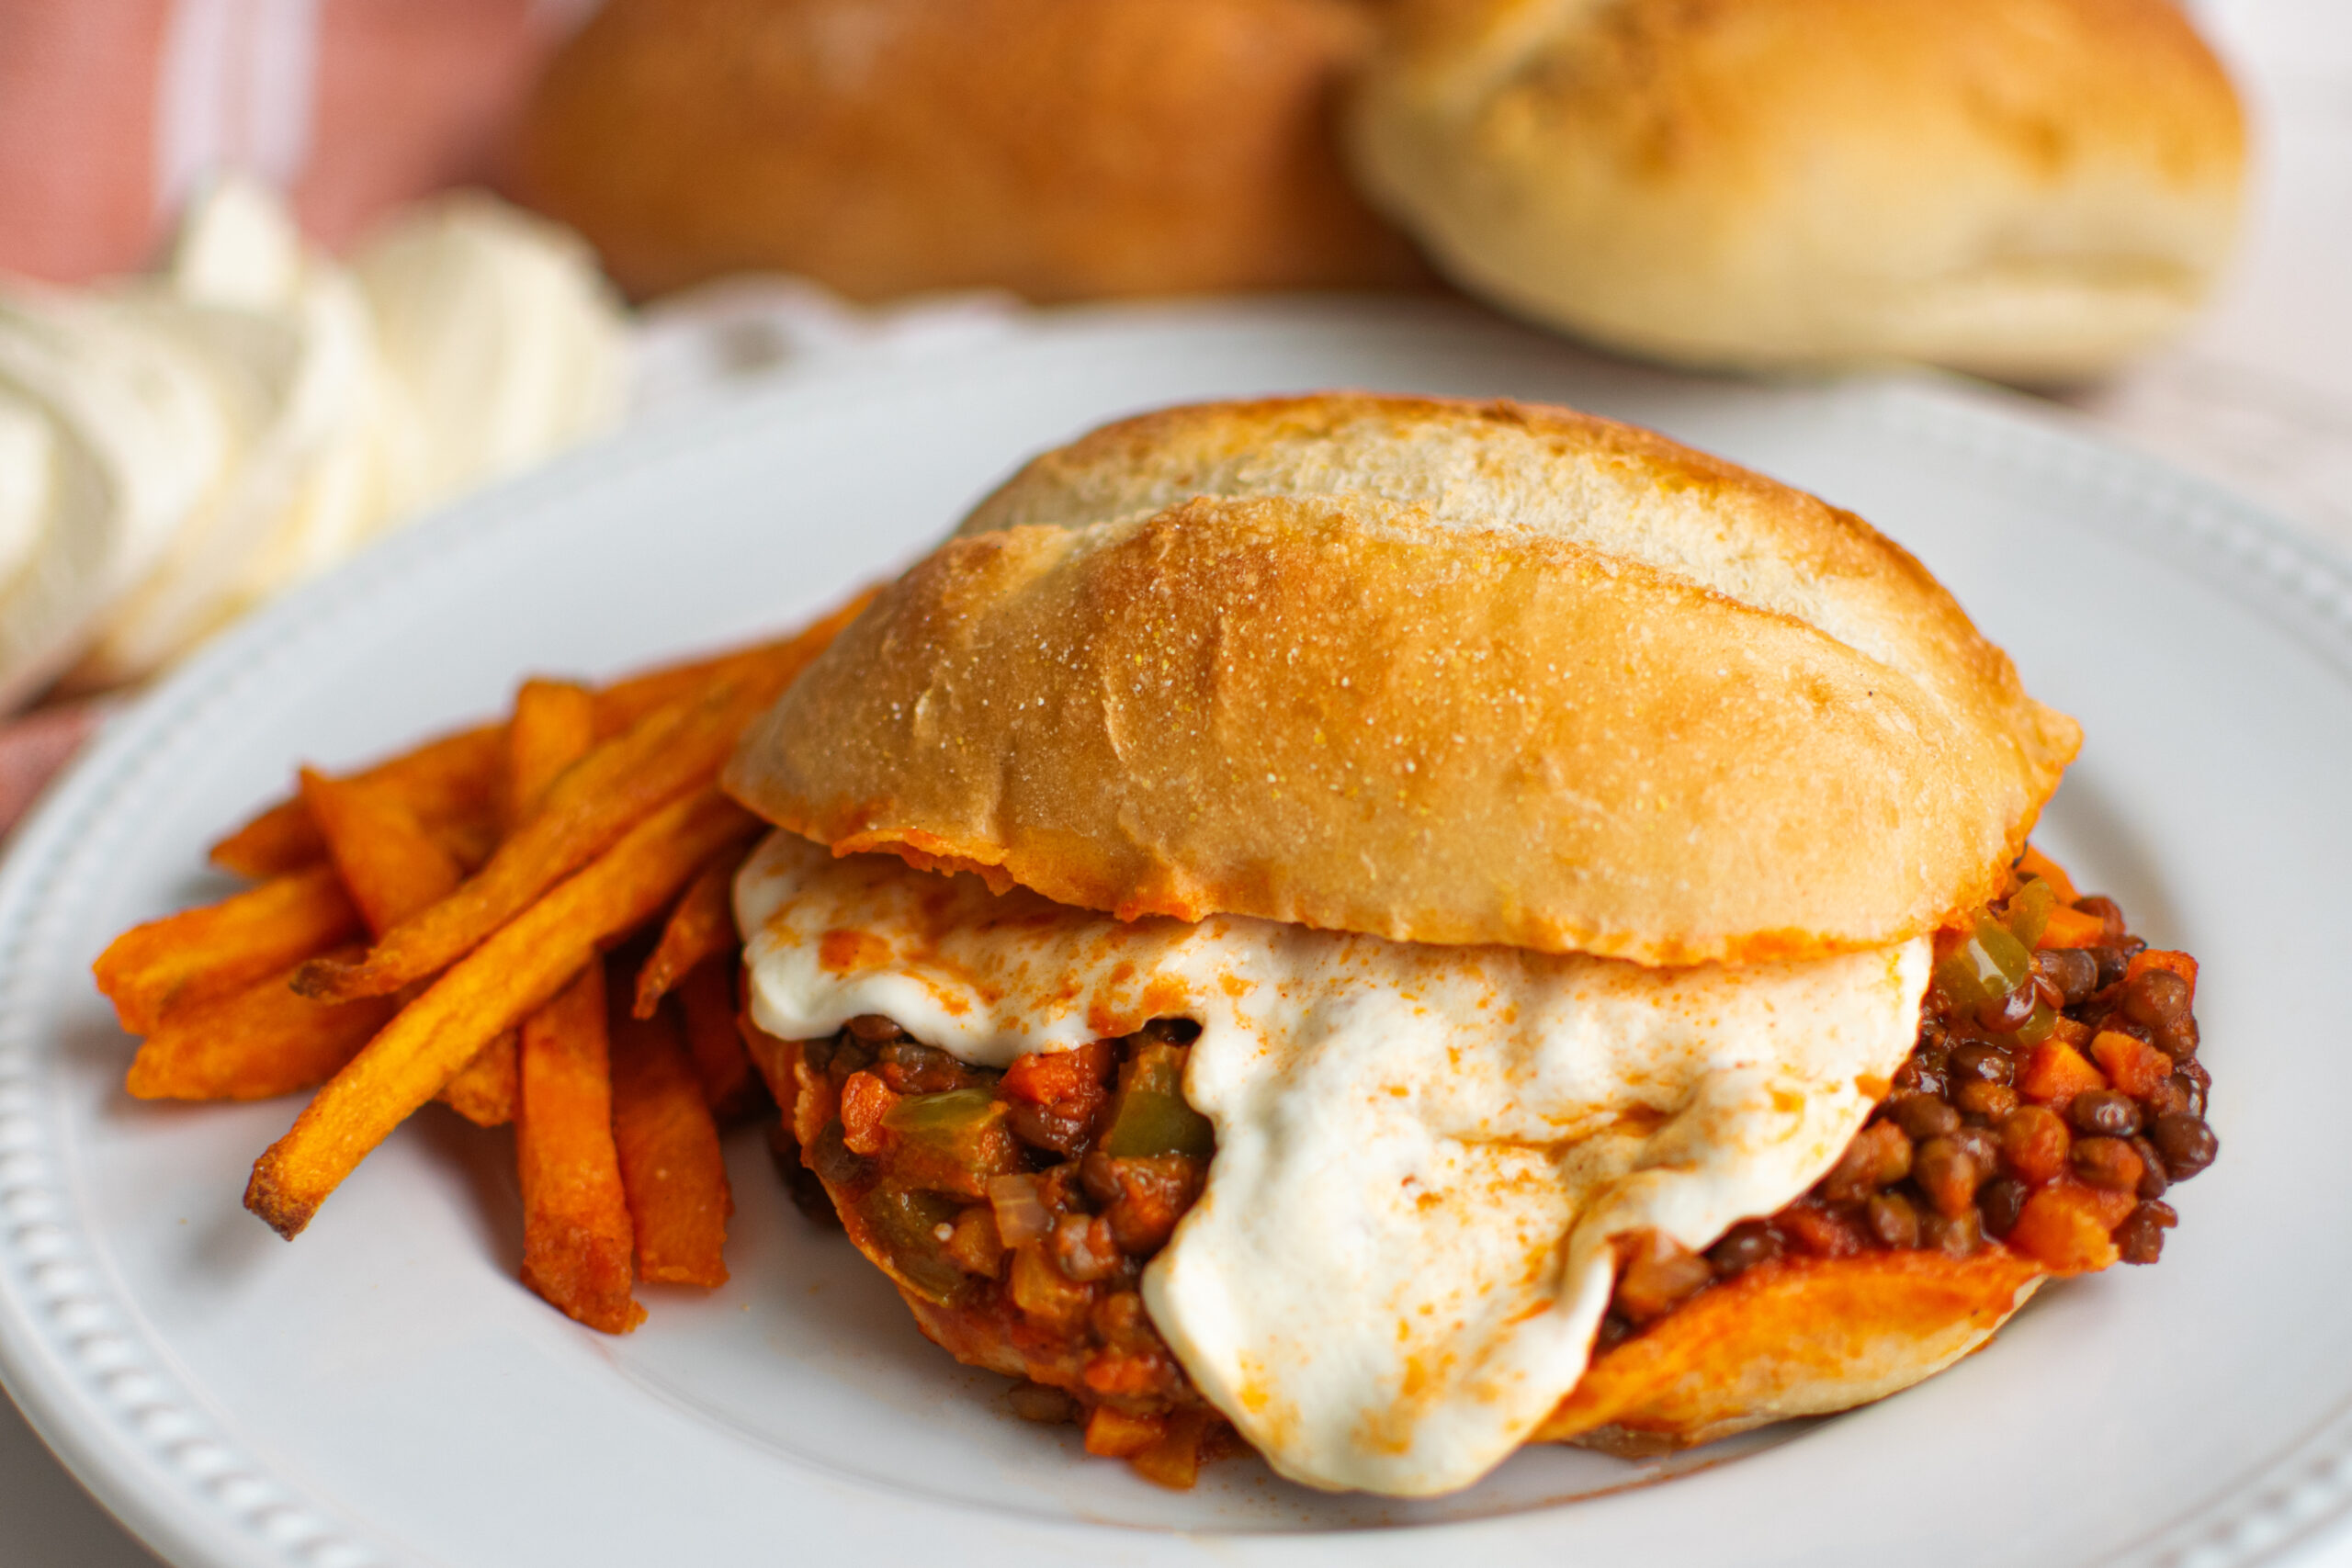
{"x":1402,"y":1253}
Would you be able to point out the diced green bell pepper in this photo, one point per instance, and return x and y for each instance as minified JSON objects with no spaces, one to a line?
{"x":2029,"y":913}
{"x":1989,"y":967}
{"x":907,"y":1224}
{"x":951,"y":1141}
{"x":1149,"y":1115}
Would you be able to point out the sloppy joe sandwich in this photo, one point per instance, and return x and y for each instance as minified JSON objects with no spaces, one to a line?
{"x":1396,"y":929}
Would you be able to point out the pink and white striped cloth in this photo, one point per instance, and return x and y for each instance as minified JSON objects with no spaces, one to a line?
{"x":110,"y":111}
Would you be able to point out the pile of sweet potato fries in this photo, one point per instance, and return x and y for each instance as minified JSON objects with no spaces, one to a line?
{"x":449,"y":924}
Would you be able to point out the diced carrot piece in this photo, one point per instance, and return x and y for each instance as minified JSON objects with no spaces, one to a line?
{"x":2042,"y":866}
{"x":2034,"y":1142}
{"x":1058,"y":1077}
{"x":865,"y":1101}
{"x":390,"y":866}
{"x":1114,"y":1373}
{"x":223,"y":948}
{"x":2179,"y":963}
{"x":554,"y":725}
{"x":1174,"y":1462}
{"x":1114,"y":1434}
{"x":2056,"y":1073}
{"x":1043,"y":1293}
{"x":2065,"y":1227}
{"x":1820,"y":1232}
{"x":700,"y":928}
{"x":975,"y":1243}
{"x":576,"y":1230}
{"x":2136,"y":1068}
{"x":2067,"y":1031}
{"x":444,"y":780}
{"x":2072,"y":928}
{"x":253,"y":1045}
{"x":672,"y":1165}
{"x":490,"y":991}
{"x":714,"y":1041}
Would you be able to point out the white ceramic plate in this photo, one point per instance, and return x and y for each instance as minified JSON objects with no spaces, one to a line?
{"x":384,"y":1391}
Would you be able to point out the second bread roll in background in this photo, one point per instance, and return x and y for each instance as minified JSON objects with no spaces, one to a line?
{"x":1061,"y":149}
{"x":2027,"y":189}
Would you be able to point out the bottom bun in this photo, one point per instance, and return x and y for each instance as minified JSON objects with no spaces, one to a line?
{"x":1800,"y":1337}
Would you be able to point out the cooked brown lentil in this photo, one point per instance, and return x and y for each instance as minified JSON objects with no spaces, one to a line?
{"x":1983,"y":1138}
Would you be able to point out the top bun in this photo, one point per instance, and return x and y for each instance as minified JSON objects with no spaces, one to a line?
{"x":2025,"y":188}
{"x":1061,"y":149}
{"x":1440,"y":672}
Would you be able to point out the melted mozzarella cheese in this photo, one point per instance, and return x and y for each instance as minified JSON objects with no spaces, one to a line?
{"x":1402,"y":1254}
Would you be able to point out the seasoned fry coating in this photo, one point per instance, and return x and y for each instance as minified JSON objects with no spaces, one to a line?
{"x":490,"y":991}
{"x":390,"y":865}
{"x":554,"y":725}
{"x":663,"y":758}
{"x":449,"y":779}
{"x":715,"y":1039}
{"x":483,"y":1092}
{"x":576,"y":1237}
{"x":255,"y":1043}
{"x":220,"y":948}
{"x":678,"y":1197}
{"x":700,"y":928}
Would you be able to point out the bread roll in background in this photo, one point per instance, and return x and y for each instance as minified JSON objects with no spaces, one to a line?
{"x":2029,"y":189}
{"x":1060,"y":149}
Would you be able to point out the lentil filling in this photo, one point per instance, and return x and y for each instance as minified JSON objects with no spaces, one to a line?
{"x":2051,"y":1100}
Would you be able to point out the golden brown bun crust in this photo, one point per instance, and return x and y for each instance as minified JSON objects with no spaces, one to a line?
{"x":2028,"y":188}
{"x":1435,"y":671}
{"x":1061,"y":149}
{"x":1806,"y":1337}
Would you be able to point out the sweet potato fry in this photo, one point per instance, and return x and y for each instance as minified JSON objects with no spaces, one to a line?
{"x":554,"y":725}
{"x":455,"y":777}
{"x":667,"y":756}
{"x":491,"y":990}
{"x":390,"y":866}
{"x":253,"y":1045}
{"x":458,"y":776}
{"x":471,"y":841}
{"x":484,"y":1090}
{"x":576,"y":1235}
{"x":216,"y":949}
{"x":671,"y":1165}
{"x":394,"y":866}
{"x":700,"y":928}
{"x":706,"y":999}
{"x":627,"y":700}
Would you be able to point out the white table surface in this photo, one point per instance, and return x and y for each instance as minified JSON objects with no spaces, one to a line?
{"x":2260,"y":395}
